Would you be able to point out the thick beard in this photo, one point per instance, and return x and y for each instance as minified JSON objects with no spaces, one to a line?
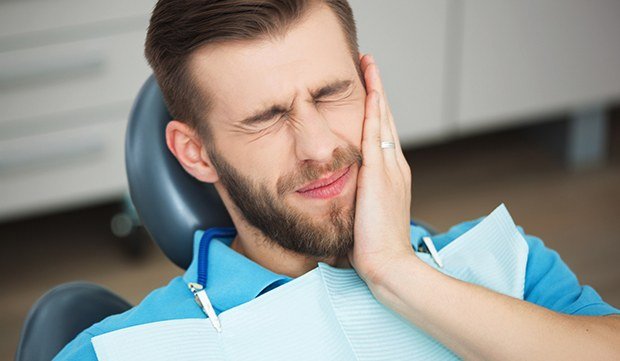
{"x":287,"y":226}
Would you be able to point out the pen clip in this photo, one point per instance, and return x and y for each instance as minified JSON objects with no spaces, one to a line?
{"x":202,"y":299}
{"x":428,"y":242}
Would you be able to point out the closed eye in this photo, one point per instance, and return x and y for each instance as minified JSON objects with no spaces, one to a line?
{"x":329,"y":100}
{"x":267,"y":124}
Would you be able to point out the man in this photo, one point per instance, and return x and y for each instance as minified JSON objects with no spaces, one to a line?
{"x":276,"y":107}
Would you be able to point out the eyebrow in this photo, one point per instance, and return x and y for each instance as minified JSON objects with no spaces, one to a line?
{"x":332,"y":88}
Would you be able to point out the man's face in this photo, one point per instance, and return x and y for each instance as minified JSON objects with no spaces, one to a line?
{"x":287,"y":113}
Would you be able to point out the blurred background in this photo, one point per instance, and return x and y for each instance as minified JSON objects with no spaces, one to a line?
{"x":514,"y":102}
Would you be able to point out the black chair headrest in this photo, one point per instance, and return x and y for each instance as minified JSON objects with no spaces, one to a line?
{"x":61,"y":314}
{"x":171,"y":204}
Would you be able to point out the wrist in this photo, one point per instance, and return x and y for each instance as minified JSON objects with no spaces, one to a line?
{"x":393,"y":273}
{"x":399,"y":277}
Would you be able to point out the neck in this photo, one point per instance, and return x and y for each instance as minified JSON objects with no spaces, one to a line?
{"x":270,"y":255}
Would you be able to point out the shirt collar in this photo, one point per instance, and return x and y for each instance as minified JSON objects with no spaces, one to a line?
{"x":233,"y":279}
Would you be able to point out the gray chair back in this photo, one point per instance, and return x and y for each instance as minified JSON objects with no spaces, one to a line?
{"x":61,"y":314}
{"x":171,"y":204}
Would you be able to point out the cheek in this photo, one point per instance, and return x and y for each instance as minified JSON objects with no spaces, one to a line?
{"x":347,"y":121}
{"x":266,"y":161}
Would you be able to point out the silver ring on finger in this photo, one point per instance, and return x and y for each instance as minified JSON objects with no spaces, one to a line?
{"x":385,"y":144}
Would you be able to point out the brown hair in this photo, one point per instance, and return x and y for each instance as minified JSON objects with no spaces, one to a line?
{"x":178,"y":27}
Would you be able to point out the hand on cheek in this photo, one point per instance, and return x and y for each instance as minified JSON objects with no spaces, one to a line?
{"x":383,"y":202}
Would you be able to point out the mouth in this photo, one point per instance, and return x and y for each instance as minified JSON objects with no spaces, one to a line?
{"x":327,"y":187}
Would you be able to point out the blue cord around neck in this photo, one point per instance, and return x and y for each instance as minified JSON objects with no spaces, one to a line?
{"x":203,"y":249}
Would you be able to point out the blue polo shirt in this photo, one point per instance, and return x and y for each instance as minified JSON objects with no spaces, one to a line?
{"x":235,"y":279}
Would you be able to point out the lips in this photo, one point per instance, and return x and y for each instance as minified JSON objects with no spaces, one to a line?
{"x":324,"y":181}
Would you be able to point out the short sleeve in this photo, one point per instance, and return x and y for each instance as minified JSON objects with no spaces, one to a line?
{"x":550,"y":283}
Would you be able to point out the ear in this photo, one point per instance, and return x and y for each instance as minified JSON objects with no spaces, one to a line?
{"x":187,"y":147}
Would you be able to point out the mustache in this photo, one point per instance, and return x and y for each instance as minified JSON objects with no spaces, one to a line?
{"x":343,"y":157}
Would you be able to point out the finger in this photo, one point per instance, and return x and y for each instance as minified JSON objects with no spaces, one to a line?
{"x":371,"y":76}
{"x":400,"y":155}
{"x":364,"y":62}
{"x":377,"y":84}
{"x":387,"y":132}
{"x":371,"y":134}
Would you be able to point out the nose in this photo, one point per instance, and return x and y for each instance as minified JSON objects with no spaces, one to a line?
{"x":314,"y":139}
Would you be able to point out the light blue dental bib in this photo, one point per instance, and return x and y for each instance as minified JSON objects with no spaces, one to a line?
{"x":329,"y":313}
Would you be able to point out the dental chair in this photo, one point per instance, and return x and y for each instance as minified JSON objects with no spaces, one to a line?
{"x":171,"y":205}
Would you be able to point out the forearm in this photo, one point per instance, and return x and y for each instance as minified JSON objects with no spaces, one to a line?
{"x":477,"y":323}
